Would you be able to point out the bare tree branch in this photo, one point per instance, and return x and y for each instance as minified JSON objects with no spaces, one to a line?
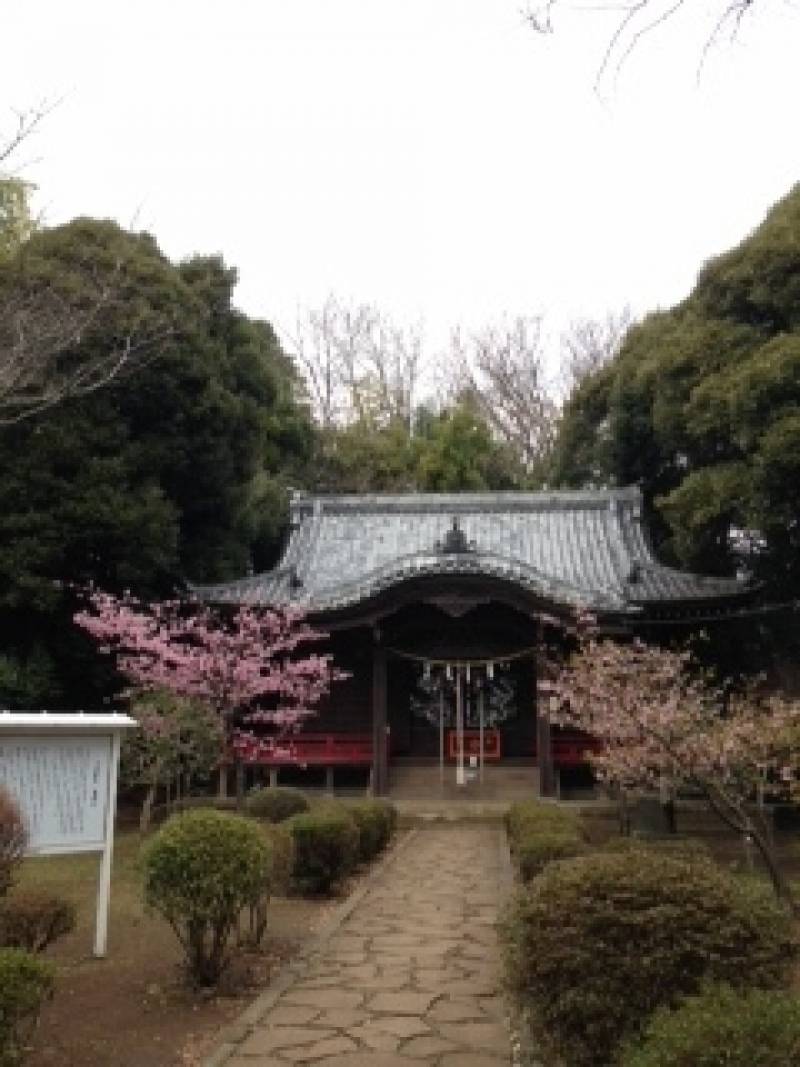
{"x":45,"y":345}
{"x":502,"y":367}
{"x":590,"y":344}
{"x":357,"y":364}
{"x":637,"y":20}
{"x":25,"y":125}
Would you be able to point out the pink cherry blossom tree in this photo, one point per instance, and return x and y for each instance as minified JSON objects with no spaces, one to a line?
{"x":661,"y":723}
{"x":250,"y":665}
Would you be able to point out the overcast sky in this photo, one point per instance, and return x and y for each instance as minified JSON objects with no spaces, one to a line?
{"x":435,"y":157}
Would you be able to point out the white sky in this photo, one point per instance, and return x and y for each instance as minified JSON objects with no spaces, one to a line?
{"x":435,"y":157}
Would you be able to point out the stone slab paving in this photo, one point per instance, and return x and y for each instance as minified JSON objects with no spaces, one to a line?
{"x":410,"y":976}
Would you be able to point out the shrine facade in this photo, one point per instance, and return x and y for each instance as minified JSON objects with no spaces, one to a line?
{"x":439,"y":607}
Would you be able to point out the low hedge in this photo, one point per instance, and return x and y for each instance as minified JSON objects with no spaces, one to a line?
{"x":375,"y":820}
{"x":540,"y":833}
{"x":722,"y":1027}
{"x":595,"y":944}
{"x":529,"y":816}
{"x":534,"y":851}
{"x":326,"y":847}
{"x":275,"y":804}
{"x":25,"y":983}
{"x":33,"y":919}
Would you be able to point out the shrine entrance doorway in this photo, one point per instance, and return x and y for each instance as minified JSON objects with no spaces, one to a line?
{"x":461,"y":691}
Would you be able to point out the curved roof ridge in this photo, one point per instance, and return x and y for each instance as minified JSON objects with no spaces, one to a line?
{"x":573,"y":546}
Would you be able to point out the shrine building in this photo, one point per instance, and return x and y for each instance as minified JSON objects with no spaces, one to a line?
{"x":439,"y":606}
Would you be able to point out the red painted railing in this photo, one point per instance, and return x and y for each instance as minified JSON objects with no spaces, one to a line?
{"x":570,"y":749}
{"x":318,"y":750}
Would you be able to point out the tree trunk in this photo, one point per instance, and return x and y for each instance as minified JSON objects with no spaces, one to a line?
{"x":737,"y":818}
{"x":147,"y":807}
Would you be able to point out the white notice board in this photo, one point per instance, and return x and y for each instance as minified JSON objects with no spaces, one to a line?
{"x":61,"y":786}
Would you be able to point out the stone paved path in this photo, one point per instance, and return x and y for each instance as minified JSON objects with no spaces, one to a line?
{"x":412,"y":974}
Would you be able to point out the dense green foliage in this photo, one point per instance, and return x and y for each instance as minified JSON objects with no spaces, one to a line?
{"x":702,"y":408}
{"x":450,"y":451}
{"x":25,"y":982}
{"x":722,"y":1027}
{"x":595,"y":944}
{"x":276,"y":803}
{"x":200,"y":871}
{"x":326,"y":843}
{"x":175,"y":471}
{"x":34,"y":918}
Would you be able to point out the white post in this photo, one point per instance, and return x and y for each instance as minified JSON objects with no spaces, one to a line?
{"x":104,"y":883}
{"x":441,"y":734}
{"x":460,"y":777}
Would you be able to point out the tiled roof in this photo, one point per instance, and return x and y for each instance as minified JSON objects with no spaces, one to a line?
{"x":582,"y":548}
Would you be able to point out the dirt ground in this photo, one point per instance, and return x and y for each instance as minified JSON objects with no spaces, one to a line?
{"x":133,"y":1008}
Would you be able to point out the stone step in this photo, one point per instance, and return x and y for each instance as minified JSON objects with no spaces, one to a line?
{"x":499,"y":783}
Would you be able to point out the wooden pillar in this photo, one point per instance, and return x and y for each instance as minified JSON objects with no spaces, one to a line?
{"x":548,"y":784}
{"x":380,"y":770}
{"x":240,"y":784}
{"x":544,"y":756}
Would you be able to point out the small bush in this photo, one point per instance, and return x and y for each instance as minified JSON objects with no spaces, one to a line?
{"x":685,"y":847}
{"x":25,"y":983}
{"x":33,"y":919}
{"x":275,"y":804}
{"x":535,"y":851}
{"x":722,"y":1027}
{"x":13,"y":839}
{"x":595,"y":944}
{"x":281,"y":856}
{"x":281,"y":868}
{"x":326,"y":847}
{"x":375,"y":820}
{"x":201,"y":869}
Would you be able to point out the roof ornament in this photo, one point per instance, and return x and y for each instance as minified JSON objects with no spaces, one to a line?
{"x":454,"y":542}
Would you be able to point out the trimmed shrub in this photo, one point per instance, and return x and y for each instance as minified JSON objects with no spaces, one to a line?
{"x":540,"y":833}
{"x":281,"y":856}
{"x":201,"y":869}
{"x":281,"y":868}
{"x":13,"y":839}
{"x":375,"y":820}
{"x":326,"y":847}
{"x":722,"y":1027}
{"x":33,"y":919}
{"x":529,"y":816}
{"x":685,"y":847}
{"x":595,"y":944}
{"x":275,"y":804}
{"x":25,"y":983}
{"x":535,"y":851}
